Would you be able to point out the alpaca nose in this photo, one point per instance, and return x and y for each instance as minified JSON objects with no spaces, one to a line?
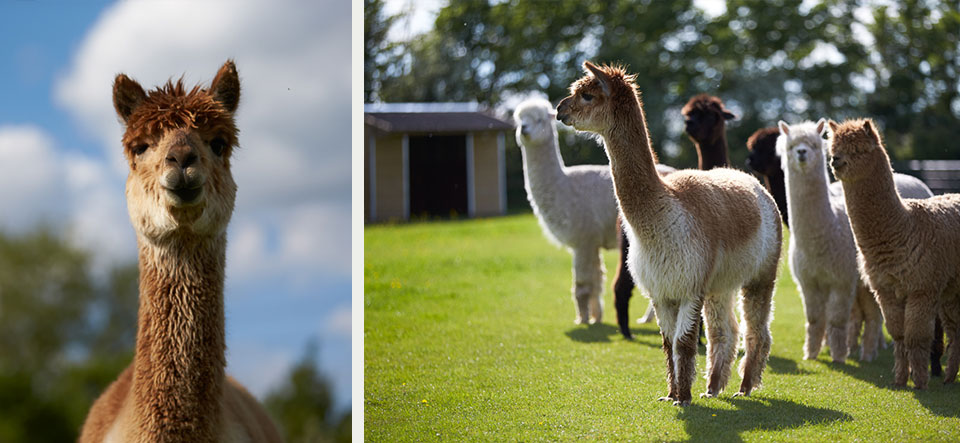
{"x":802,"y":153}
{"x":182,"y":156}
{"x":524,"y":129}
{"x":749,"y":163}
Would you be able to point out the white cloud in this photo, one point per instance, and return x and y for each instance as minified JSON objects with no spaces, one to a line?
{"x":31,"y":177}
{"x":294,"y":156}
{"x":338,"y":322}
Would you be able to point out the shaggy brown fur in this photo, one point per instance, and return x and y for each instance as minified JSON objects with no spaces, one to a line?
{"x":696,"y":238}
{"x":909,"y":250}
{"x":180,"y":195}
{"x":705,"y":119}
{"x":763,"y":159}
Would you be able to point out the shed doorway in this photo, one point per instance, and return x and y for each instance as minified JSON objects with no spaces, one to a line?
{"x":438,"y":176}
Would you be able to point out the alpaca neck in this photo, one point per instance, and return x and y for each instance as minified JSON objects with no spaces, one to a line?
{"x":712,"y":154}
{"x":632,"y":163}
{"x":180,"y":352}
{"x":542,"y":168}
{"x":775,"y":183}
{"x":873,"y":205}
{"x":808,"y":201}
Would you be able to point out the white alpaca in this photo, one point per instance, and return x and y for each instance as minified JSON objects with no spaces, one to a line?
{"x":823,"y":256}
{"x":575,"y":205}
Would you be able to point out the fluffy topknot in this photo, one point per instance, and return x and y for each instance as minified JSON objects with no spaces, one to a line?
{"x":853,"y":136}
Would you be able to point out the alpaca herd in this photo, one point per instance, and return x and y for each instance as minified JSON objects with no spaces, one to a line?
{"x":873,"y":248}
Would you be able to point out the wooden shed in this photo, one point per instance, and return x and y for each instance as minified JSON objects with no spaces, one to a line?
{"x":428,"y":160}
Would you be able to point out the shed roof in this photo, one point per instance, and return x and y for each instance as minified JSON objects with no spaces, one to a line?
{"x":431,"y":118}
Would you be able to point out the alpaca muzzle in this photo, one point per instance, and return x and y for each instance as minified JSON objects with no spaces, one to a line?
{"x":837,"y":164}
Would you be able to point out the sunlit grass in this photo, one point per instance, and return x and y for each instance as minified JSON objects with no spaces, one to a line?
{"x":469,"y":335}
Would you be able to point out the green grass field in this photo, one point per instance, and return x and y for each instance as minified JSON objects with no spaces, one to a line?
{"x":469,"y":336}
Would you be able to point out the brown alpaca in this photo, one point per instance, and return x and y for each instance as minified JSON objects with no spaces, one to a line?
{"x":705,"y":119}
{"x":909,"y":249}
{"x":696,"y":238}
{"x":180,"y":196}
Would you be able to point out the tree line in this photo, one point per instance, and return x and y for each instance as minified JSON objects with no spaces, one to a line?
{"x":895,"y":62}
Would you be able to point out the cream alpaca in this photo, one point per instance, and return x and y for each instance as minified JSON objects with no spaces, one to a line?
{"x":180,"y":195}
{"x":697,"y":237}
{"x":575,"y":205}
{"x":823,"y":257}
{"x":909,"y":250}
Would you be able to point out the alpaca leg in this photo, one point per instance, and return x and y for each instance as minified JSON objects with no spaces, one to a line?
{"x":936,"y":348}
{"x":686,"y":335}
{"x":919,"y":315}
{"x":872,"y":324}
{"x":838,"y":318}
{"x":596,"y":286}
{"x":893,"y":312}
{"x":814,"y":306}
{"x":666,"y":319}
{"x":756,"y":303}
{"x":648,"y":316}
{"x":720,"y":319}
{"x":854,"y":326}
{"x":623,"y":287}
{"x":582,"y":281}
{"x":950,"y":318}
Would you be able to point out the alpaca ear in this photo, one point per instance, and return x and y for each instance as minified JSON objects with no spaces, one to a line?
{"x":821,"y":125}
{"x":833,"y":125}
{"x":784,"y":127}
{"x":600,"y":75}
{"x":226,"y":86}
{"x":127,"y":95}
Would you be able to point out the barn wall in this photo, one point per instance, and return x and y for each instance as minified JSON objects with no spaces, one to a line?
{"x":486,"y":174}
{"x":389,"y":194}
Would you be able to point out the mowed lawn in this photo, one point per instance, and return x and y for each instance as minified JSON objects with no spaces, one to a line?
{"x":469,"y":336}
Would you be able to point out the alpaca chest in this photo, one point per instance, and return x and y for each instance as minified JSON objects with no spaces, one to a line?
{"x":668,"y":266}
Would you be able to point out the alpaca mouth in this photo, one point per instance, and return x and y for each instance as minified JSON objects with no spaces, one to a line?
{"x":185,"y":195}
{"x":837,"y":165}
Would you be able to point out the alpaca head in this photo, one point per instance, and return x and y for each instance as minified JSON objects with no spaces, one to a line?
{"x":801,"y":147}
{"x":178,"y":145}
{"x":535,"y":122}
{"x":763,"y":157}
{"x":704,"y":118}
{"x":856,"y":149}
{"x":595,"y":98}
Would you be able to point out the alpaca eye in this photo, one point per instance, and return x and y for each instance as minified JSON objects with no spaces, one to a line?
{"x":587,"y":97}
{"x":218,"y":145}
{"x":140,"y":149}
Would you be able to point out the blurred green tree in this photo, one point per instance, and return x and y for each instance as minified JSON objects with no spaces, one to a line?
{"x":303,"y":406}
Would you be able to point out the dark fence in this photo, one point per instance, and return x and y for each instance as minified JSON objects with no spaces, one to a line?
{"x":942,"y":176}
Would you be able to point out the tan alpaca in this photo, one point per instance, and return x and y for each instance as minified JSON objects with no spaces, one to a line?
{"x":180,"y":196}
{"x":908,"y":249}
{"x":697,"y":237}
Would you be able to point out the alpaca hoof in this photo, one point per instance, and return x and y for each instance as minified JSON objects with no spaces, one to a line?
{"x":681,"y":403}
{"x":742,"y":394}
{"x":667,"y":398}
{"x":579,"y":321}
{"x":708,"y":394}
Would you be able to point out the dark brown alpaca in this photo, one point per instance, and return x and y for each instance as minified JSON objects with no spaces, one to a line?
{"x":705,"y":119}
{"x":764,"y":160}
{"x":180,"y":195}
{"x":679,"y":224}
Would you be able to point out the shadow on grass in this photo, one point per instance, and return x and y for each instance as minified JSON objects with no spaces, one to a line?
{"x":595,"y":333}
{"x":705,"y":423}
{"x":780,"y":365}
{"x":605,"y":333}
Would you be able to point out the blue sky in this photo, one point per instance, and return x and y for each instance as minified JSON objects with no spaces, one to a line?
{"x":288,"y":272}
